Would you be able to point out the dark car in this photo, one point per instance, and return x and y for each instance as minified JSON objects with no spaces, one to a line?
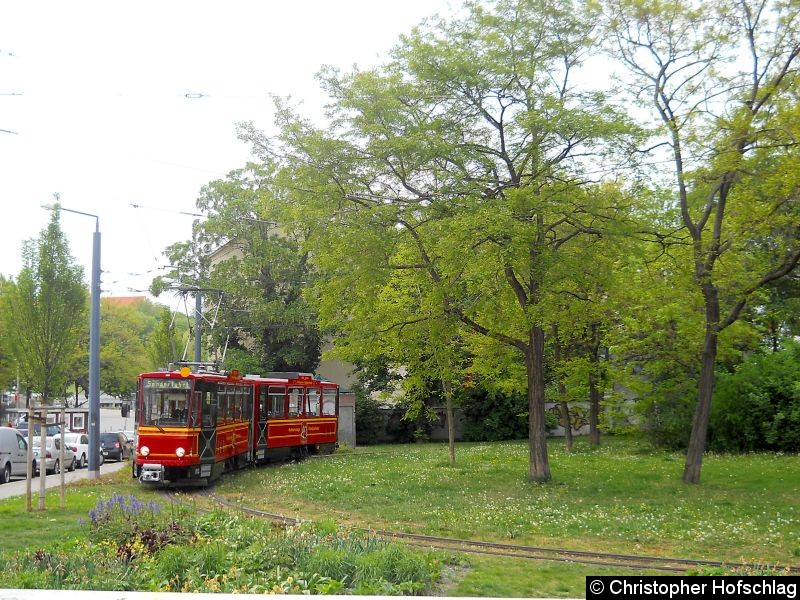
{"x":113,"y":444}
{"x":37,"y":429}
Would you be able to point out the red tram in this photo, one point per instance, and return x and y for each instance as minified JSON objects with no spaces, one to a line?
{"x":193,"y":426}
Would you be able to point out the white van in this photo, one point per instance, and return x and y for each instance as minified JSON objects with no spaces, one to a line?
{"x":13,"y":454}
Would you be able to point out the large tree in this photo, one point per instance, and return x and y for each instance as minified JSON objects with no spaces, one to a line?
{"x":164,"y":345}
{"x":721,"y":80}
{"x":467,"y":152}
{"x":260,"y":267}
{"x":122,"y":351}
{"x":45,"y":307}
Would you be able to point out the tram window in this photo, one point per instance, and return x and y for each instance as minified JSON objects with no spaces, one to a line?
{"x":178,"y":410}
{"x":295,"y":401}
{"x":236,"y":402}
{"x":231,"y":402}
{"x":277,"y":401}
{"x":313,"y":402}
{"x":209,"y":410}
{"x":165,"y":402}
{"x":194,"y":411}
{"x":222,"y":403}
{"x":247,"y":403}
{"x":262,"y":403}
{"x":243,"y":402}
{"x":329,"y":401}
{"x":240,"y":404}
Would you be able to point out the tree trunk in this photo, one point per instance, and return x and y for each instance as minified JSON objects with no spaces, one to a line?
{"x":697,"y":439}
{"x":595,"y":393}
{"x":539,"y":468}
{"x":594,"y":410}
{"x":451,"y":428}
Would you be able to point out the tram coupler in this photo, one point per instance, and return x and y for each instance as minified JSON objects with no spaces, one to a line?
{"x":151,"y":473}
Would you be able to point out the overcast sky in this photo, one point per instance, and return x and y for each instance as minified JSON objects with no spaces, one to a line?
{"x":95,"y":94}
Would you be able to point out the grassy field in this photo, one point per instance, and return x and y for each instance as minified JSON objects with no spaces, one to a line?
{"x":622,"y":497}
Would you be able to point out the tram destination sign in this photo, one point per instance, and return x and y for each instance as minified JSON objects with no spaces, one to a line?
{"x":172,"y":384}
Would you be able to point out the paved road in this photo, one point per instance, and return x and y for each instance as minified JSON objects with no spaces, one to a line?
{"x":16,"y":487}
{"x":110,"y":420}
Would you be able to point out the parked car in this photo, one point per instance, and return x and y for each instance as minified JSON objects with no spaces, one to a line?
{"x":13,"y":454}
{"x":37,"y":429}
{"x":52,"y":455}
{"x":130,"y":435}
{"x":79,"y":444}
{"x":115,"y":445}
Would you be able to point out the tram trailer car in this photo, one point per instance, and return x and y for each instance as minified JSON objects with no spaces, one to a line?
{"x":192,"y":427}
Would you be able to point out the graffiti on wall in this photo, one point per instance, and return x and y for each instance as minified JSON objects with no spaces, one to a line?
{"x":578,"y":416}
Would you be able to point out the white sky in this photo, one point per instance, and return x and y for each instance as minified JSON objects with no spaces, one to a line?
{"x":103,"y":120}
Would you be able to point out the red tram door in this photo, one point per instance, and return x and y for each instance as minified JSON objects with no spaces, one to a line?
{"x":205,"y":396}
{"x":260,"y":446}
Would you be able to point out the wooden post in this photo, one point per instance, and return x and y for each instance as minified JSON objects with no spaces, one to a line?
{"x":42,"y":456}
{"x":61,"y":458}
{"x":29,"y":475}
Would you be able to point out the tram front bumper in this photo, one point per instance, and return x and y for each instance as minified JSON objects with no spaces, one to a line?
{"x":151,"y":473}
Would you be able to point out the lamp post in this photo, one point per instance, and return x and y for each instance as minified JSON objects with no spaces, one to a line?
{"x":94,"y":346}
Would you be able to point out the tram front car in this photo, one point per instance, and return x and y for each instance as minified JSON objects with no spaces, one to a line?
{"x":176,"y":429}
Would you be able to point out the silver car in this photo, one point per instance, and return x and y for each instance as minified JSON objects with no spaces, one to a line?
{"x":79,"y":444}
{"x":52,"y":455}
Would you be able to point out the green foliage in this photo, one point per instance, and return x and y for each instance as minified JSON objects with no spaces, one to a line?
{"x":163,"y":344}
{"x":369,"y":418}
{"x":550,"y":421}
{"x":754,"y":570}
{"x":122,"y":351}
{"x":738,"y":194}
{"x":262,"y":270}
{"x":757,"y":407}
{"x":409,"y":421}
{"x":46,"y":309}
{"x":491,"y":415}
{"x":134,"y":546}
{"x":244,"y":361}
{"x":667,"y":414}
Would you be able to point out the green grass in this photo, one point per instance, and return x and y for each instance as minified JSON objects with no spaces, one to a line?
{"x":125,"y":543}
{"x":621,"y":497}
{"x":40,"y":529}
{"x":518,"y":578}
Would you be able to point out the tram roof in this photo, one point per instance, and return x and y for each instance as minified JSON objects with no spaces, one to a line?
{"x":276,"y":376}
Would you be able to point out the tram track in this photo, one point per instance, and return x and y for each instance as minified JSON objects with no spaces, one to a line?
{"x":598,"y":559}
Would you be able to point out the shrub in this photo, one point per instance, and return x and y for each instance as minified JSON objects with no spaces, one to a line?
{"x":369,"y":420}
{"x":667,"y":416}
{"x":757,"y":407}
{"x":493,"y":416}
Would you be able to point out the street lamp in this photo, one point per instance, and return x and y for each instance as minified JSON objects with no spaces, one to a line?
{"x":94,"y":346}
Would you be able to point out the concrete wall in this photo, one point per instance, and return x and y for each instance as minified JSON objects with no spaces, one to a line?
{"x":347,"y":419}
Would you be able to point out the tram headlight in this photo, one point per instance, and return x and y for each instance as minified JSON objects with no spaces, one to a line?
{"x":144,"y":451}
{"x":179,"y":452}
